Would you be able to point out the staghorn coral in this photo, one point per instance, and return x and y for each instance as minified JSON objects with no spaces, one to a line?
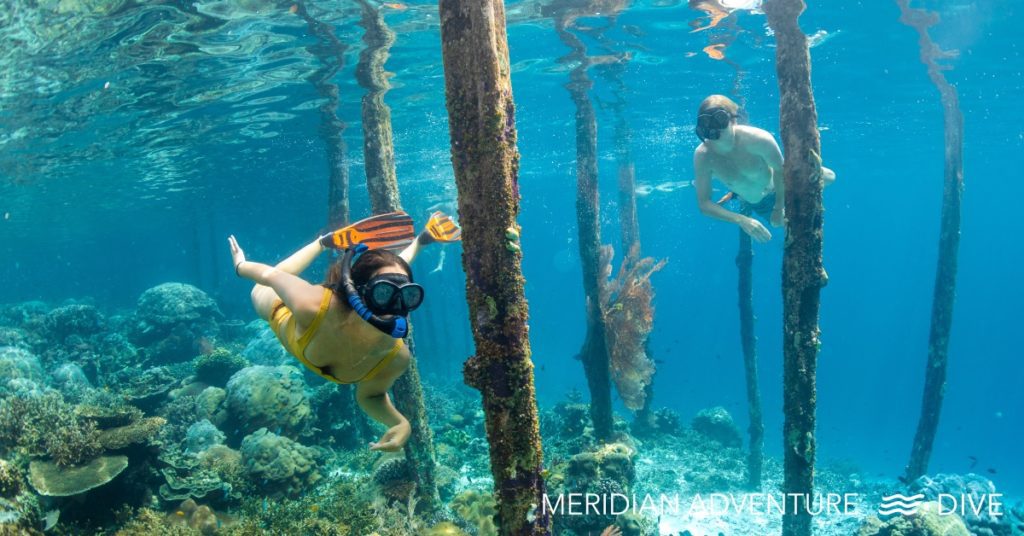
{"x":47,"y":426}
{"x":11,"y":479}
{"x":629,"y":316}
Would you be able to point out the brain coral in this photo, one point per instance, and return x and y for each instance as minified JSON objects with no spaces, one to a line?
{"x":282,"y":465}
{"x":268,"y":397}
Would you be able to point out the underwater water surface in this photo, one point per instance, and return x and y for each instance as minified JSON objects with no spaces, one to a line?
{"x":136,"y":137}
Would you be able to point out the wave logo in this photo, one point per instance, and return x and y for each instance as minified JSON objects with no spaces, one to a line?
{"x":900,"y":504}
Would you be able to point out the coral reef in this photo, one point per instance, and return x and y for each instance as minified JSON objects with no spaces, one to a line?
{"x":477,"y":508}
{"x":81,"y":321}
{"x":268,"y":397}
{"x":53,"y":480}
{"x":148,"y":389}
{"x":217,"y":367}
{"x":264,"y":348}
{"x":186,"y":477}
{"x":211,"y":405}
{"x":201,"y":436}
{"x":11,"y":479}
{"x":395,"y":479}
{"x":47,"y":426}
{"x":716,"y":423}
{"x":285,"y":467}
{"x":107,"y":410}
{"x":172,"y":319}
{"x":188,"y":519}
{"x":18,"y":363}
{"x":140,"y":431}
{"x":71,"y":381}
{"x":628,"y":313}
{"x":972,"y":485}
{"x":925,"y":522}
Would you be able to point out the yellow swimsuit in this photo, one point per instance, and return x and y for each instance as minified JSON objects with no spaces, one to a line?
{"x":296,"y":345}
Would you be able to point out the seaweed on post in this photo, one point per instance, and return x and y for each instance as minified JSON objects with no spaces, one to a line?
{"x":803,"y":274}
{"x":378,"y":144}
{"x":949,"y":239}
{"x":481,"y":119}
{"x":594,"y":353}
{"x":748,"y":341}
{"x":382,"y":183}
{"x":626,"y":301}
{"x":330,"y":51}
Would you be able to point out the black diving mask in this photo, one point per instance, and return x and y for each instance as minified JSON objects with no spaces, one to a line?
{"x":391,"y":294}
{"x":710,"y":124}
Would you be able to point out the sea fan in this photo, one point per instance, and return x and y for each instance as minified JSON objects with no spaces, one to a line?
{"x":628,"y":313}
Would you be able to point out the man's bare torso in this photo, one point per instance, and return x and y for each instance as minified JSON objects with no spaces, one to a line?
{"x":743,"y":172}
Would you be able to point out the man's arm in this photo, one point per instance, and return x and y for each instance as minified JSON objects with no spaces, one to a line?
{"x":702,"y":185}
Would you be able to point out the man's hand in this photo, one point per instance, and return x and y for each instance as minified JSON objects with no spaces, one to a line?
{"x":756,"y":231}
{"x":394,"y":439}
{"x":778,"y":216}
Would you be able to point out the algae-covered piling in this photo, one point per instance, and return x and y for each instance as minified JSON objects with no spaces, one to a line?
{"x":478,"y":92}
{"x":949,"y":241}
{"x":803,"y":275}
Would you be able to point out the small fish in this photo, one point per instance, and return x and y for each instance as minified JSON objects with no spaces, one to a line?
{"x":314,"y":508}
{"x":974,"y":461}
{"x":179,"y":513}
{"x":106,"y":85}
{"x":7,"y":215}
{"x":397,"y":6}
{"x":294,"y":9}
{"x":659,"y":361}
{"x":990,"y":471}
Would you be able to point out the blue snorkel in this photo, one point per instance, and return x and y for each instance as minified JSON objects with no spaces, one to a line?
{"x":396,"y":326}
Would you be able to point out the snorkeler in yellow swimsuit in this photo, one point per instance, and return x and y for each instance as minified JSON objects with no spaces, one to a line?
{"x":349,"y":329}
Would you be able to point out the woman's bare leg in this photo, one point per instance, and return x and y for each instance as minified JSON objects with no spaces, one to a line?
{"x":264,"y":297}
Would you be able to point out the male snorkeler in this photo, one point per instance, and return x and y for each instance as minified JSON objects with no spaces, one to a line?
{"x":747,"y":160}
{"x":349,"y":329}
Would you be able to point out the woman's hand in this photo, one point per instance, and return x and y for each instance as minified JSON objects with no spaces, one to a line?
{"x":237,"y":255}
{"x":755,"y":229}
{"x":612,"y":530}
{"x":394,"y":439}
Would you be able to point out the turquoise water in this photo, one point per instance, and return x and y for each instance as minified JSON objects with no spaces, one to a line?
{"x":135,"y":138}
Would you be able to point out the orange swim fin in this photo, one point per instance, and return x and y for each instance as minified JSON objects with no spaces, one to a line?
{"x":443,"y":229}
{"x":393,"y":231}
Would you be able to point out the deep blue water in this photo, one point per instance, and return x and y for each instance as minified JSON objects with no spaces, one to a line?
{"x":107,"y":192}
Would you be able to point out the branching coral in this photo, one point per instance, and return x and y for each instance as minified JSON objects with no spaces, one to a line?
{"x":628,"y":312}
{"x":48,"y":426}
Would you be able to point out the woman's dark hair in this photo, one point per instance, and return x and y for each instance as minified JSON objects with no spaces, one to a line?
{"x":365,"y":266}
